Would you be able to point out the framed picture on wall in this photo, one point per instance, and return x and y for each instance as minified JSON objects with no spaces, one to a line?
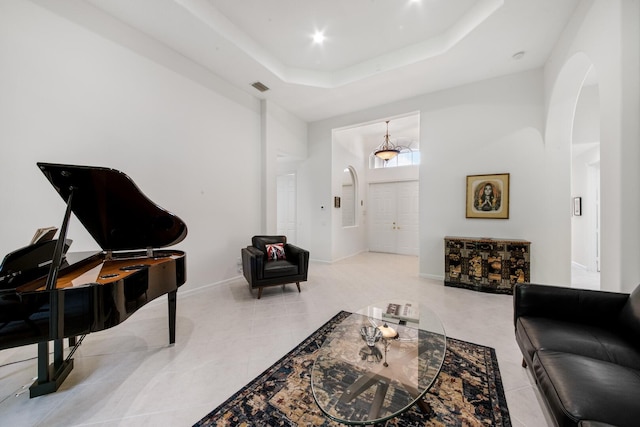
{"x":488,"y":196}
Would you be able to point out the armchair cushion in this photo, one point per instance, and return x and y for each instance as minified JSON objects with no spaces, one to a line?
{"x":279,"y":268}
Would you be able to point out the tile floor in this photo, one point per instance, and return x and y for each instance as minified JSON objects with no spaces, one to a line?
{"x":130,"y":376}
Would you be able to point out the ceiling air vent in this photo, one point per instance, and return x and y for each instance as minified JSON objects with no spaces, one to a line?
{"x":260,"y":87}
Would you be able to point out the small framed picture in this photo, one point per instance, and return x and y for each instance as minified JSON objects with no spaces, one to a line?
{"x":336,"y":202}
{"x":577,"y":206}
{"x":488,"y":196}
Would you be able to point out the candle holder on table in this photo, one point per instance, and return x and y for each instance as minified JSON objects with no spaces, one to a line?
{"x":388,"y":334}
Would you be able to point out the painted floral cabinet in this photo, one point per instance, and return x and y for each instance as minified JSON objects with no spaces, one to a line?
{"x":486,"y":264}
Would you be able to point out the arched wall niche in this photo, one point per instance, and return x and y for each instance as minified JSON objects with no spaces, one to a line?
{"x":349,"y":197}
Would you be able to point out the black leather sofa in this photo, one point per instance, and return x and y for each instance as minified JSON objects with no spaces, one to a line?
{"x":262,"y":271}
{"x":583,"y":349}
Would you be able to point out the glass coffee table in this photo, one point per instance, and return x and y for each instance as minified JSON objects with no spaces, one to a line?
{"x":374,"y":366}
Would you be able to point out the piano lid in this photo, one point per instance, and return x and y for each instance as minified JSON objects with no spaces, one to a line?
{"x":113,"y":209}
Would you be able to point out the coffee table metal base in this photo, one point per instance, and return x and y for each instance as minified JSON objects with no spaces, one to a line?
{"x":382,"y":385}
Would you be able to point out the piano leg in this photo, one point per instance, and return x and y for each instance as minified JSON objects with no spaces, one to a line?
{"x":173,"y":298}
{"x":43,"y":361}
{"x":58,"y":353}
{"x":50,"y":377}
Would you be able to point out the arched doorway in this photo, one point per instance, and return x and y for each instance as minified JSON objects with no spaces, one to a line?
{"x":573,"y":126}
{"x":585,"y":187}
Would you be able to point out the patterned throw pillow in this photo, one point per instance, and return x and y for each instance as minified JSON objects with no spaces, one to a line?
{"x":275,"y":252}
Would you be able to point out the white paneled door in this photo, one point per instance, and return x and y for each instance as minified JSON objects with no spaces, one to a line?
{"x":393,"y":220}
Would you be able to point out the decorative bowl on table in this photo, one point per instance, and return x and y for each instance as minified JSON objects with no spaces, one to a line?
{"x":370,"y":334}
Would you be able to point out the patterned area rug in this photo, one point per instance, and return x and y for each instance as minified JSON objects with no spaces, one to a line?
{"x":468,"y":391}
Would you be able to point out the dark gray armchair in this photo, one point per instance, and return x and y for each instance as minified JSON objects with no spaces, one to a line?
{"x":271,"y":261}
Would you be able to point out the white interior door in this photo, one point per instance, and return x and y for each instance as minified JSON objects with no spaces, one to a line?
{"x":382,"y":209}
{"x":286,"y":209}
{"x":393,"y":217}
{"x":407,"y":218}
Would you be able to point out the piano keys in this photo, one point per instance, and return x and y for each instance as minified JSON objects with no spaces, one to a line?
{"x":86,"y":293}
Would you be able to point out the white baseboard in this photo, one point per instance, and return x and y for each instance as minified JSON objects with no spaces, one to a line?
{"x":348,"y":256}
{"x":210,"y":285}
{"x":319,"y":261}
{"x":580,"y":266}
{"x":432,"y":276}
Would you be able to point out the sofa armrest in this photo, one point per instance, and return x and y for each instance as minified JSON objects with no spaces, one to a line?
{"x":298,"y":256}
{"x":571,"y":304}
{"x":252,"y":263}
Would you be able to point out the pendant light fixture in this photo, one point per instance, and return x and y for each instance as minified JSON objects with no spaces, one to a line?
{"x":388,"y":150}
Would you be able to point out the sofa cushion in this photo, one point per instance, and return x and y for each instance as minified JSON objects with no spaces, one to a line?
{"x":279,"y":268}
{"x":591,"y":423}
{"x":581,"y":388}
{"x":537,"y":333}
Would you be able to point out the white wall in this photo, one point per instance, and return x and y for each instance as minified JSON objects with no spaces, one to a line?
{"x":71,"y":96}
{"x":511,"y":124}
{"x":489,"y":127}
{"x":586,"y":122}
{"x":346,"y":152}
{"x":192,"y":143}
{"x":326,"y":239}
{"x":605,"y":33}
{"x":404,"y":173}
{"x":315,"y":196}
{"x":284,"y":146}
{"x":352,"y":147}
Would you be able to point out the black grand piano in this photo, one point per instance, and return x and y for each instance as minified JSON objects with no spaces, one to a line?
{"x":49,"y":295}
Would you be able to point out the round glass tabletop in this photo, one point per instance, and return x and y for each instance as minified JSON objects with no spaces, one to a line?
{"x":378,"y":362}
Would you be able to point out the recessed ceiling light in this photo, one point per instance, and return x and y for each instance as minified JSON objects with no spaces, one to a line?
{"x":518,"y":55}
{"x":318,"y":37}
